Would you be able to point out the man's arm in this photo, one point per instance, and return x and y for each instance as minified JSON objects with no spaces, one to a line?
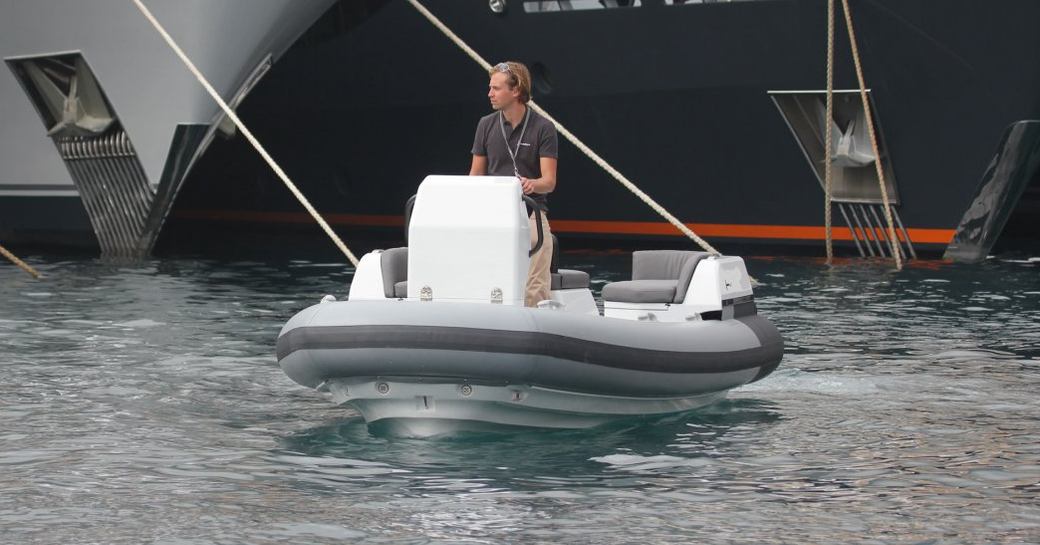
{"x":545,"y":184}
{"x":479,"y":166}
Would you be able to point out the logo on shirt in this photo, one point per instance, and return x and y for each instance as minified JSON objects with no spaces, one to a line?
{"x":525,"y":144}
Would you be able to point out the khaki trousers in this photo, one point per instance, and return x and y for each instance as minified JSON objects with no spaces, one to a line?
{"x":538,"y":279}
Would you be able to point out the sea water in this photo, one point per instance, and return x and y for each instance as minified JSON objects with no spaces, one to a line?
{"x":140,"y":402}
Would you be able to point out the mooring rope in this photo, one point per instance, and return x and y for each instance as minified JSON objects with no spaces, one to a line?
{"x":21,"y":264}
{"x":893,"y":242}
{"x":827,"y":167}
{"x":569,"y":135}
{"x":249,"y":135}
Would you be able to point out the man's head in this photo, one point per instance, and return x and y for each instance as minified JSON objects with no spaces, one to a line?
{"x":510,"y":82}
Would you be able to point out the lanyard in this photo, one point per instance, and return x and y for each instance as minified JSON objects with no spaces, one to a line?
{"x":502,"y":127}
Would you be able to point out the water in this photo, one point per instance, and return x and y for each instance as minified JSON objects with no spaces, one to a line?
{"x":141,"y":403}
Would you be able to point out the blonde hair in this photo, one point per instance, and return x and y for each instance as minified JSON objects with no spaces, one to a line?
{"x":519,"y":77}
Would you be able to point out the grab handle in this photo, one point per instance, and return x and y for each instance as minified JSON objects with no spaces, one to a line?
{"x":537,"y":223}
{"x":409,"y":205}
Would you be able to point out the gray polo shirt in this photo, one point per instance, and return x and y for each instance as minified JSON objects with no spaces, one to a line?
{"x":540,"y":140}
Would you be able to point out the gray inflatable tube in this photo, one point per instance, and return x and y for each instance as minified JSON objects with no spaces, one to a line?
{"x":496,"y":344}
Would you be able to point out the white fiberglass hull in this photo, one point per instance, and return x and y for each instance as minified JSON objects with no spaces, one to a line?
{"x":423,"y":409}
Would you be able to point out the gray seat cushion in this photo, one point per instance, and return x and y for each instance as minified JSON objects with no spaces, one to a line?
{"x":401,"y":289}
{"x":569,"y":279}
{"x":394,"y":265}
{"x":640,"y":291}
{"x":667,"y":265}
{"x":564,"y":279}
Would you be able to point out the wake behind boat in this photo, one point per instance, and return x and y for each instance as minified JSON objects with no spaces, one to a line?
{"x":434,"y":338}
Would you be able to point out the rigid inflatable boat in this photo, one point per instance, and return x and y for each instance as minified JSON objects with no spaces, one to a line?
{"x":435,"y":337}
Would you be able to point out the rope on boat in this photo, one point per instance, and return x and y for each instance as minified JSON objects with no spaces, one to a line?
{"x":249,"y":135}
{"x":827,"y":167}
{"x":893,"y":242}
{"x":569,"y":136}
{"x":21,"y":264}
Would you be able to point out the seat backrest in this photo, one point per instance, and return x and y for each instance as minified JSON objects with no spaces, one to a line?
{"x":667,"y":265}
{"x":394,"y":265}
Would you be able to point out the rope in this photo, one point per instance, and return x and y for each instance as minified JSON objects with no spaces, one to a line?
{"x":249,"y":135}
{"x":893,"y":242}
{"x":569,"y":136}
{"x":21,"y":264}
{"x":827,"y":167}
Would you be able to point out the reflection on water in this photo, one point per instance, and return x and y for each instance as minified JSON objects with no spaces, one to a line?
{"x":141,"y":402}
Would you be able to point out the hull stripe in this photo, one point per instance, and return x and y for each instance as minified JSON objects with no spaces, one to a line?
{"x":716,"y":230}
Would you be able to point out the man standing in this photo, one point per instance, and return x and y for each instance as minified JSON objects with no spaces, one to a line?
{"x":515,"y":141}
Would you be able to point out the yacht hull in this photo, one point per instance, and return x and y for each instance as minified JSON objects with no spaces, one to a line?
{"x":679,"y":98}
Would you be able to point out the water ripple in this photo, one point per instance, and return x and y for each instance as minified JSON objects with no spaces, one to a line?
{"x":142,"y":402}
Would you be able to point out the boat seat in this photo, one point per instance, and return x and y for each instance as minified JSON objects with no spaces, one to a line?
{"x":658,"y":276}
{"x":394,"y":265}
{"x":569,"y":279}
{"x":564,"y":279}
{"x":640,"y":291}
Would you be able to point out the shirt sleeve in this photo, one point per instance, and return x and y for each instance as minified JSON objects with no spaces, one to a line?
{"x":480,"y":138}
{"x":548,"y":142}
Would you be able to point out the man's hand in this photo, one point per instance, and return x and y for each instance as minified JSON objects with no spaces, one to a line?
{"x":527,"y":185}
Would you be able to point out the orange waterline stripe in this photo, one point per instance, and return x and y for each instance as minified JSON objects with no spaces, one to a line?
{"x":719,"y":230}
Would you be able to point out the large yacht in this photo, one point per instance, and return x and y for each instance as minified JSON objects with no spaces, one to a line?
{"x":100,"y":120}
{"x":714,"y":108}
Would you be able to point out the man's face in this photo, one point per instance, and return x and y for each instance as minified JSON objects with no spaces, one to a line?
{"x":499,"y":93}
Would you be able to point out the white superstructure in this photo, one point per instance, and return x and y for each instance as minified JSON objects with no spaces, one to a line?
{"x":162,"y":111}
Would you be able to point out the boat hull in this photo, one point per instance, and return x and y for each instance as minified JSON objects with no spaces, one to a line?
{"x":447,"y":365}
{"x":427,"y":408}
{"x":677,"y":98}
{"x":165,"y":120}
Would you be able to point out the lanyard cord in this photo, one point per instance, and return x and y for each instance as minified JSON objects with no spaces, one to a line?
{"x":502,"y":127}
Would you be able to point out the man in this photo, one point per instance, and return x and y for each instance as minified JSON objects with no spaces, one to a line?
{"x":515,"y":141}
